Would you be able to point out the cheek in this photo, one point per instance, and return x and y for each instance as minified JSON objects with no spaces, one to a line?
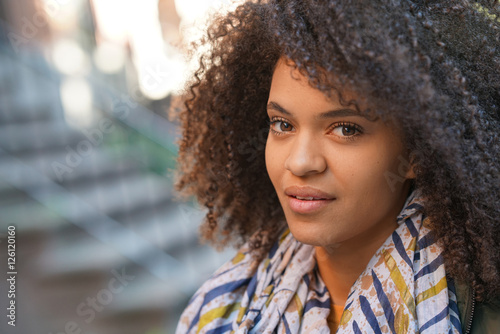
{"x":387,"y":178}
{"x":271,"y":160}
{"x":367,"y":170}
{"x":276,"y":154}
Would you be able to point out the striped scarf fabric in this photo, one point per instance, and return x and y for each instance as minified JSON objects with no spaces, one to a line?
{"x":403,"y":289}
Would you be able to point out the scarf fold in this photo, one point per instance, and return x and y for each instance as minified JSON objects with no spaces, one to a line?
{"x":403,"y":289}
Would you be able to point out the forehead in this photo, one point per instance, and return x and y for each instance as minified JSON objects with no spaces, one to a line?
{"x":288,"y":81}
{"x":291,"y":94}
{"x":291,"y":88}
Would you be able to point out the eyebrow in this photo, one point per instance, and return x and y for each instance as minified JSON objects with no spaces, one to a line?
{"x":324,"y":115}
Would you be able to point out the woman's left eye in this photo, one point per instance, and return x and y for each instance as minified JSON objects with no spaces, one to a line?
{"x":346,"y":130}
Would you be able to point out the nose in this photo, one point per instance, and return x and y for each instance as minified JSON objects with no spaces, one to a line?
{"x":305,"y":157}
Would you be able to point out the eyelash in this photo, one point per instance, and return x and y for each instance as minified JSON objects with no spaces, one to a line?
{"x":350,"y":125}
{"x":358,"y":130}
{"x":275,"y":120}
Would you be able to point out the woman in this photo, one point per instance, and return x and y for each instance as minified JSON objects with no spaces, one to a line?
{"x":352,"y":148}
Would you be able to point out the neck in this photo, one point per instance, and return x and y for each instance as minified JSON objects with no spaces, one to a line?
{"x":342,"y":263}
{"x":341,"y":266}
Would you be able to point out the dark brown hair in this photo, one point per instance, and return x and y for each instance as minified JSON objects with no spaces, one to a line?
{"x":432,"y":67}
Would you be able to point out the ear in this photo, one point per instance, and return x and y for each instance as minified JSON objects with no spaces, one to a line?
{"x":410,"y":171}
{"x":410,"y":174}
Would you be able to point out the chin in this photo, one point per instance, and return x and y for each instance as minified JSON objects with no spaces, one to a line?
{"x":310,"y":235}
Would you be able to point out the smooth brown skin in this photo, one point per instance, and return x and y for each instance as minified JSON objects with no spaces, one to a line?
{"x":328,"y":153}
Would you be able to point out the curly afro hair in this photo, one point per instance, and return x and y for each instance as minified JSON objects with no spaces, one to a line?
{"x":431,"y":67}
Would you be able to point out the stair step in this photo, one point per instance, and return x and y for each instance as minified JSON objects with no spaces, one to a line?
{"x":29,"y":90}
{"x":161,"y":230}
{"x":14,"y":111}
{"x":69,"y":258}
{"x":201,"y":262}
{"x":147,"y":292}
{"x":119,"y":195}
{"x":29,"y":216}
{"x":63,"y":165}
{"x":26,"y":214}
{"x":38,"y":135}
{"x":84,"y":254}
{"x":168,"y":227}
{"x":116,"y":196}
{"x":9,"y":193}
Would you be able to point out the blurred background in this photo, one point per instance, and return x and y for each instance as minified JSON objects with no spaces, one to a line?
{"x":87,"y":159}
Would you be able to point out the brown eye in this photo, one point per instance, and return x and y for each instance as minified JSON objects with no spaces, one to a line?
{"x":279,"y":126}
{"x":284,"y":126}
{"x":348,"y":130}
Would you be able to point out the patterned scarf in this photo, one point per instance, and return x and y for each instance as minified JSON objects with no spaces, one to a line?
{"x":403,"y":289}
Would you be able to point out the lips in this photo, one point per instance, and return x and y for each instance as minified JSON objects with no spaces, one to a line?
{"x":307,"y":193}
{"x":304,"y":200}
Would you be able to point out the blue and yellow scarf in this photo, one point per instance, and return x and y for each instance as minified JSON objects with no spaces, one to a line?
{"x":403,"y":289}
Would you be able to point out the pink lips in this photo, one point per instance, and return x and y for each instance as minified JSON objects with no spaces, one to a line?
{"x":307,"y":199}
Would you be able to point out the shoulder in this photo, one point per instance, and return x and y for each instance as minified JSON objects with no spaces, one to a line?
{"x":477,"y":317}
{"x":486,"y":318}
{"x":217,"y":296}
{"x":240,"y":291}
{"x":221,"y":301}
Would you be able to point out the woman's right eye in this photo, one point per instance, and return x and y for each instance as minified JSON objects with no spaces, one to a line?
{"x":279,"y":126}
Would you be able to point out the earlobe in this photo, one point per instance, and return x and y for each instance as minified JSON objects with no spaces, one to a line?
{"x":406,"y":168}
{"x":410,"y":172}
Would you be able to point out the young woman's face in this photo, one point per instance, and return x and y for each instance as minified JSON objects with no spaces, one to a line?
{"x":340,"y":177}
